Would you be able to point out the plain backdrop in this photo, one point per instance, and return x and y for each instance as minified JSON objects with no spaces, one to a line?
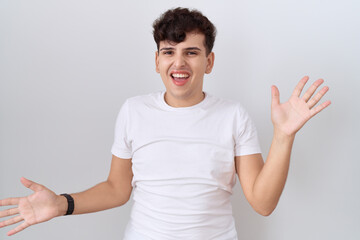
{"x":67,"y":66}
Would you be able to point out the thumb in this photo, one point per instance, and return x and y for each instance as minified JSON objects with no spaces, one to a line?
{"x":275,"y":96}
{"x":32,"y":185}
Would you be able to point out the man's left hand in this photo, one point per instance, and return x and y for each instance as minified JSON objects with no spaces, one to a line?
{"x":289,"y":117}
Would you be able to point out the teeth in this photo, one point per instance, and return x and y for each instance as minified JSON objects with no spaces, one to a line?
{"x":178,"y":75}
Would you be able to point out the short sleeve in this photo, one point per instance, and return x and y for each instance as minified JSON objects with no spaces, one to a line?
{"x":246,"y":140}
{"x":122,"y":145}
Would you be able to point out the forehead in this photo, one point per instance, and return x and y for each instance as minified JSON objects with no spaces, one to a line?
{"x":191,"y":40}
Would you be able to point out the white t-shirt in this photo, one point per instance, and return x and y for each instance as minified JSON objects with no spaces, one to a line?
{"x":183,"y":165}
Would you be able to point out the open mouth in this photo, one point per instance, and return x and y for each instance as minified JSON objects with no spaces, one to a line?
{"x":180,"y":79}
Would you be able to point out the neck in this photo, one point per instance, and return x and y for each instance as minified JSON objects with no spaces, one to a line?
{"x":181,"y":102}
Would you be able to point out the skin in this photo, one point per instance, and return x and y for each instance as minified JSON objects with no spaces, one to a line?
{"x":189,"y":57}
{"x":262,"y":183}
{"x":44,"y":204}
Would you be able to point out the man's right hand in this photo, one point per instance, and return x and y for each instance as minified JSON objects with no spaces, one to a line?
{"x":38,"y":207}
{"x":44,"y":204}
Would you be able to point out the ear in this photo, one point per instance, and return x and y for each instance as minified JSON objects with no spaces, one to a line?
{"x":210,"y":62}
{"x":157,"y":62}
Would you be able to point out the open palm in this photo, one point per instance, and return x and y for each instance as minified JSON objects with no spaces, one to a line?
{"x":290,"y":116}
{"x":38,"y":207}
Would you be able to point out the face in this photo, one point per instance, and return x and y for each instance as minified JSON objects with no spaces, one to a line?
{"x":182,"y":67}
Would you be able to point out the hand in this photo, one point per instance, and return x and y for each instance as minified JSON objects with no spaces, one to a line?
{"x":39,"y":207}
{"x":290,"y":116}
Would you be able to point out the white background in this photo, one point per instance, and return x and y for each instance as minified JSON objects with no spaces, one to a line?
{"x":67,"y":66}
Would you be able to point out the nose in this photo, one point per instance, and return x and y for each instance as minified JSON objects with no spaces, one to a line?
{"x":179,"y":61}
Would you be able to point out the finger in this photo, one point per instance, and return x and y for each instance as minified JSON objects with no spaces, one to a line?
{"x":275,"y":95}
{"x":312,"y":89}
{"x":9,"y":212}
{"x":317,"y":97}
{"x":32,"y":185}
{"x":18,"y":228}
{"x":319,"y":108}
{"x":9,"y":201}
{"x":11,"y":221}
{"x":299,"y":87}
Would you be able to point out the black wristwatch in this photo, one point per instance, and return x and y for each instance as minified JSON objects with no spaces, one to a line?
{"x":70,"y":201}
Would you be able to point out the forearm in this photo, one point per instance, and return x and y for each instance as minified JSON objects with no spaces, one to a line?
{"x":270,"y":182}
{"x":100,"y":197}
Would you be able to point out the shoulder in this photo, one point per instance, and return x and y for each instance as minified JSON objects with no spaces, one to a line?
{"x":143,"y":104}
{"x":227,"y":104}
{"x":143,"y":100}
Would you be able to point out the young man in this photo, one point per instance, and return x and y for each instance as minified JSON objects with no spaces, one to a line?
{"x":181,"y":149}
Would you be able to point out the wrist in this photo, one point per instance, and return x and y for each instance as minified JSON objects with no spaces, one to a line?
{"x":70,"y":201}
{"x":62,"y":205}
{"x":283,"y":137}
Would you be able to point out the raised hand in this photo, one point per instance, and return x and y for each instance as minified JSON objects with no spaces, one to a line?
{"x":38,"y":207}
{"x":290,"y":116}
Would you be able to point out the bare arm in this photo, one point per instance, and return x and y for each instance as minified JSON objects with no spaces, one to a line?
{"x":44,"y":204}
{"x":264,"y":183}
{"x":114,"y":192}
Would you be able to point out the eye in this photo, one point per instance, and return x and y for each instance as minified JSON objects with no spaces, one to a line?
{"x":191,"y":53}
{"x":168,"y":52}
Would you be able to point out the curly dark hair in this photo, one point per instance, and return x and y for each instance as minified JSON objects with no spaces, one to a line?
{"x":173,"y":25}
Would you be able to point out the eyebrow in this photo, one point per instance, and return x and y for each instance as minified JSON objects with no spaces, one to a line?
{"x":186,"y":49}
